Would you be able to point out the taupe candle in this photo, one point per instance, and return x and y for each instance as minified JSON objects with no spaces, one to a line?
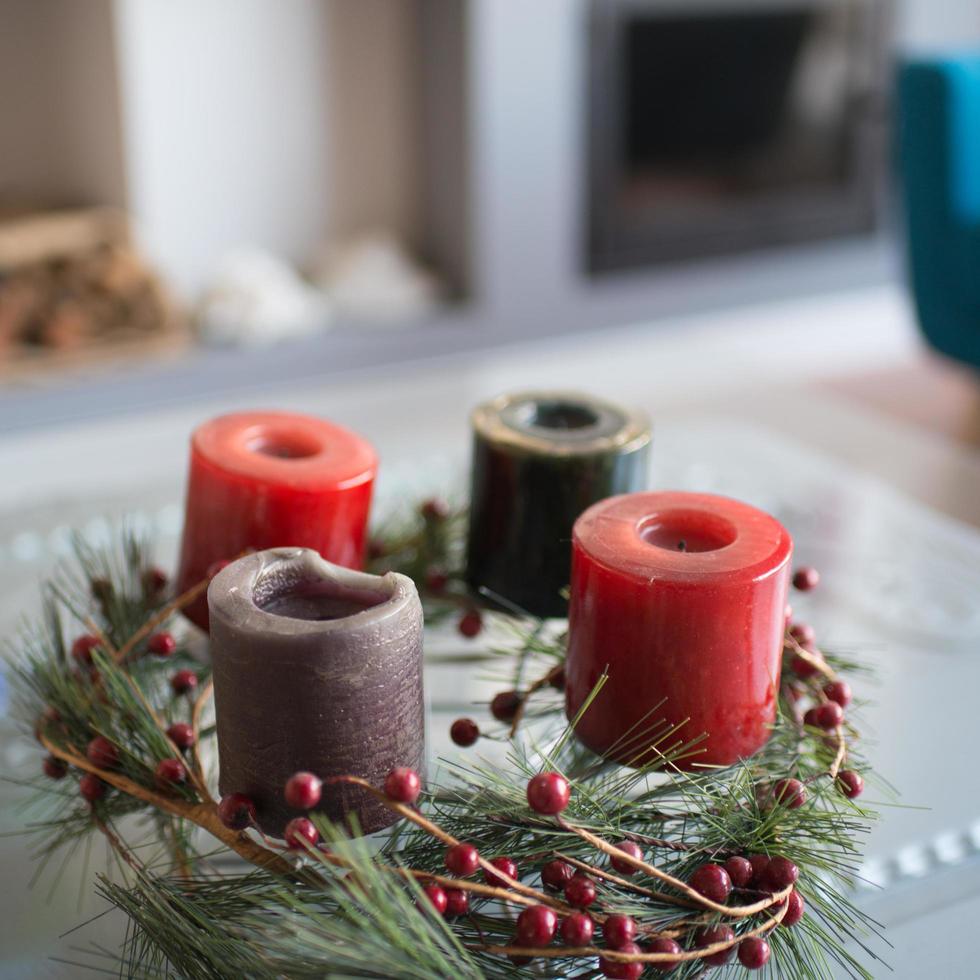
{"x":316,"y":668}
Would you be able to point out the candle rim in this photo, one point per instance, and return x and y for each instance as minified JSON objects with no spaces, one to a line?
{"x":487,"y":419}
{"x":228,"y":600}
{"x":640,"y":560}
{"x":226,"y":443}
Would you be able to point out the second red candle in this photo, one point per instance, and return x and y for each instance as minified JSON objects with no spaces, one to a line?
{"x":680,"y":597}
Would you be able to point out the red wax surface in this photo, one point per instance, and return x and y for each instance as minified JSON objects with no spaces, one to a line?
{"x":681,"y":596}
{"x":273,"y":479}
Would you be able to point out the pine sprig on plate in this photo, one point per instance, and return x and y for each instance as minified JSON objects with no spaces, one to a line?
{"x":638,"y":838}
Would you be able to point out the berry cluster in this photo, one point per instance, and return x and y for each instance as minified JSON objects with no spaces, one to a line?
{"x":831,"y":695}
{"x":428,"y":545}
{"x":101,"y":751}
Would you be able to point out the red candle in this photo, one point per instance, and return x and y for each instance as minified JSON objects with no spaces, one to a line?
{"x":680,"y":597}
{"x":273,"y":479}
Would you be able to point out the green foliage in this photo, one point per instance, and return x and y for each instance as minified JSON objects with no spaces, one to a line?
{"x":193,"y":914}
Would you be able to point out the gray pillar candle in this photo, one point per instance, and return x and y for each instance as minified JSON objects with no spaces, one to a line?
{"x":317,"y":668}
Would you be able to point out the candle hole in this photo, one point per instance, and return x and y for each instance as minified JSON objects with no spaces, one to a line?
{"x":282,"y":445}
{"x":313,"y":600}
{"x":687,"y":531}
{"x":560,"y":415}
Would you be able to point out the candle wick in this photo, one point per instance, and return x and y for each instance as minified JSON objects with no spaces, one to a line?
{"x":682,"y":545}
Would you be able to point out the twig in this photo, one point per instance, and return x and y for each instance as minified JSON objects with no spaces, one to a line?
{"x":435,"y":831}
{"x":557,"y":952}
{"x":205,"y":815}
{"x":197,"y":778}
{"x":815,"y":660}
{"x":732,"y":911}
{"x":536,"y":686}
{"x":117,"y":845}
{"x":624,"y":883}
{"x":160,"y":617}
{"x":196,"y":713}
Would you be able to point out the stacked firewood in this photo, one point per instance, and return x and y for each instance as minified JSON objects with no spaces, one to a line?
{"x":71,"y":280}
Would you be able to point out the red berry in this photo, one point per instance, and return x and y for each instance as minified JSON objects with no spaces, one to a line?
{"x":548,"y":793}
{"x":664,"y":946}
{"x":504,"y":864}
{"x":91,"y":787}
{"x":436,"y":896}
{"x":759,"y":864}
{"x":621,"y":864}
{"x":216,"y":566}
{"x":708,"y":936}
{"x":753,"y":953}
{"x":618,"y":930}
{"x":712,"y":881}
{"x":102,"y":753}
{"x":618,"y":970}
{"x":805,"y":579}
{"x":181,"y":734}
{"x":839,"y":691}
{"x":434,"y":509}
{"x":236,"y":811}
{"x":170,"y":773}
{"x":536,"y":926}
{"x":828,"y":716}
{"x":470,"y":624}
{"x":436,"y":581}
{"x":850,"y":783}
{"x":556,"y":874}
{"x":82,"y":649}
{"x":403,"y":785}
{"x":790,"y":793}
{"x":803,"y":633}
{"x":183,"y":682}
{"x":464,"y":732}
{"x":101,"y":590}
{"x":50,"y":716}
{"x":739,"y":870}
{"x":161,"y":644}
{"x":805,"y":668}
{"x":505,"y":704}
{"x":793,"y":691}
{"x":54,"y":768}
{"x":577,"y":929}
{"x":303,"y":790}
{"x":580,"y":891}
{"x":462,"y":859}
{"x":457,"y":902}
{"x":780,"y":874}
{"x":796,"y":907}
{"x":154,"y":581}
{"x":300,"y":832}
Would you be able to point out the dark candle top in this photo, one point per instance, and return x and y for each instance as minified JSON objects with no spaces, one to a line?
{"x":318,"y":668}
{"x":560,"y":423}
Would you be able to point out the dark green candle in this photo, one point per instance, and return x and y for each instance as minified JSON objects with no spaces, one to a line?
{"x":539,"y":460}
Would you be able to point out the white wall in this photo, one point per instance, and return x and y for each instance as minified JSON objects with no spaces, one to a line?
{"x":939,"y":24}
{"x":225,"y":123}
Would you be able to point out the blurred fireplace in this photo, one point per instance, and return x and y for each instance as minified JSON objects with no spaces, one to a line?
{"x":720,"y":126}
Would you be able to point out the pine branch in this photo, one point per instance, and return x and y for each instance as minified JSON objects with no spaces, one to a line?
{"x":341,"y":910}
